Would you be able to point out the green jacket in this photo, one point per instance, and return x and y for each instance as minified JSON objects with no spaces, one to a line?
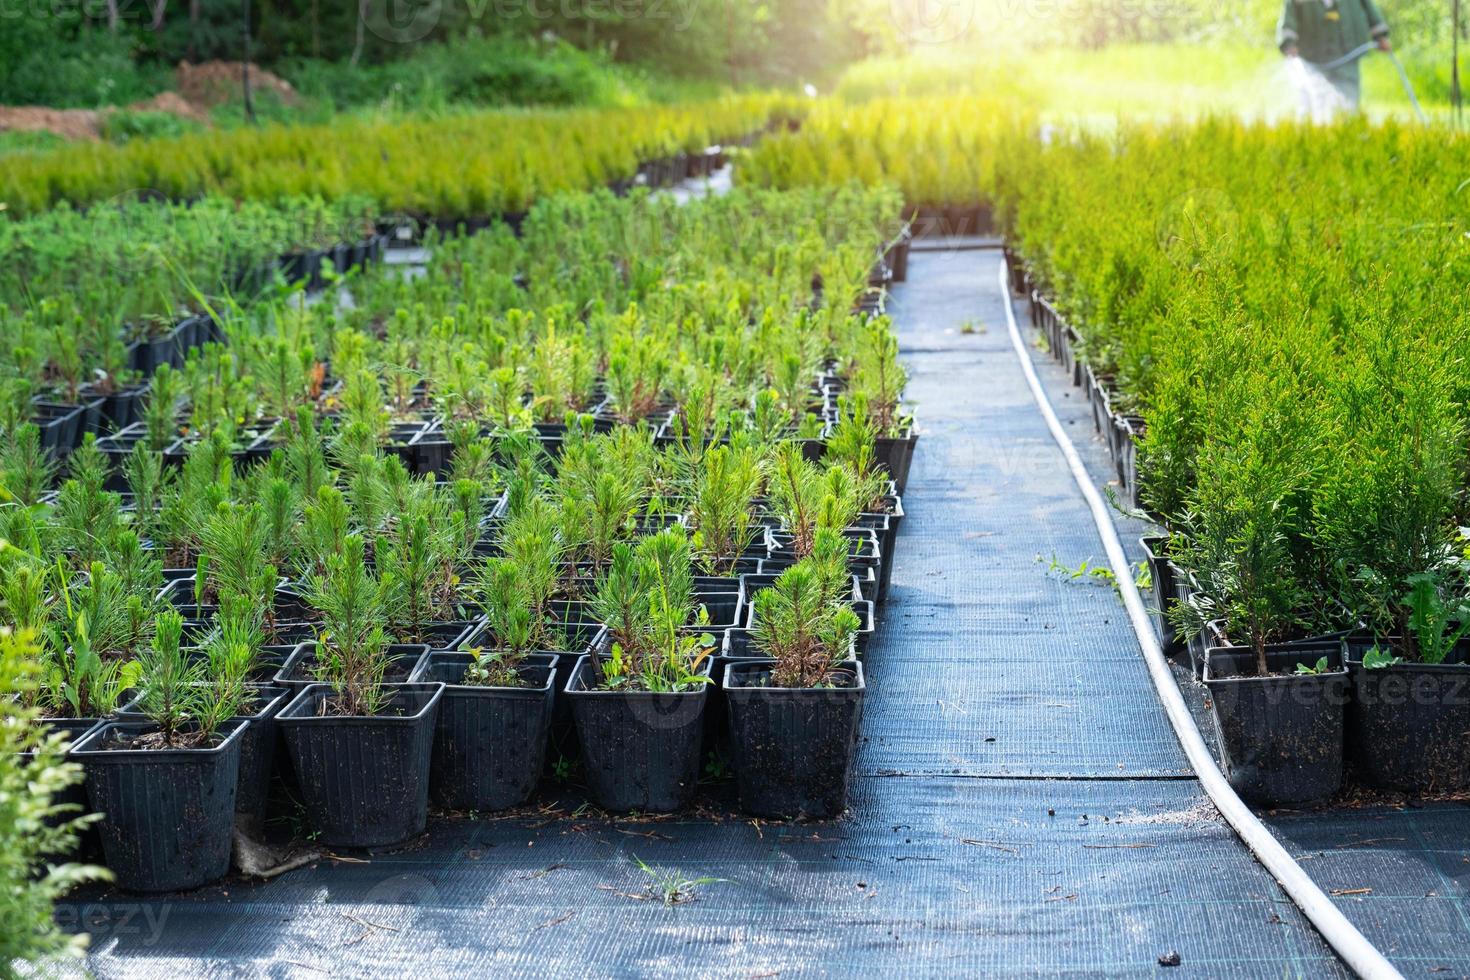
{"x":1322,"y":31}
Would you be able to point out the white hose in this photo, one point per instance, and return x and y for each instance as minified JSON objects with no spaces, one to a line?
{"x":1359,"y":954}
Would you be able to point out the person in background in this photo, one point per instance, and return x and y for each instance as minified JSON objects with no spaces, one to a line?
{"x":1320,"y":33}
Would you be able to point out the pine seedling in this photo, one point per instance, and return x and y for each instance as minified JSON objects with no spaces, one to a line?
{"x":799,"y":626}
{"x":352,"y":641}
{"x":26,"y":467}
{"x":721,"y":506}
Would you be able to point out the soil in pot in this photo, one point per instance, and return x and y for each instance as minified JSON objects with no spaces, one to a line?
{"x":640,"y":750}
{"x":1407,"y":724}
{"x":299,"y":669}
{"x":489,"y":742}
{"x":168,"y":814}
{"x":1280,"y":736}
{"x":793,"y":748}
{"x":364,"y":778}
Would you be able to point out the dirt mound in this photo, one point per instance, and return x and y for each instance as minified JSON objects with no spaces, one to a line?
{"x":173,"y":103}
{"x":86,"y":124}
{"x":214,"y":82}
{"x":71,"y":123}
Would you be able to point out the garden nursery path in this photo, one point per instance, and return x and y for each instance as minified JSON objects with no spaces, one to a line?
{"x":1021,"y":804}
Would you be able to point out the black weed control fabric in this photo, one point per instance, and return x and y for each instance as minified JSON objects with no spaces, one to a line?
{"x":1022,"y":806}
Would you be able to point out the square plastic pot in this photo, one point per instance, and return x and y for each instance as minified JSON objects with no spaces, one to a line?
{"x":1407,"y":724}
{"x":1280,"y":737}
{"x":364,"y":778}
{"x":168,"y":814}
{"x":489,"y":742}
{"x":792,"y":748}
{"x":1161,"y":573}
{"x":296,"y":671}
{"x":640,"y":750}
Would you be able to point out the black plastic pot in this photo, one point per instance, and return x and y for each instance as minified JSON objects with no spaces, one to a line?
{"x":1407,"y":724}
{"x":403,"y":442}
{"x":489,"y":742}
{"x":456,"y":635}
{"x":168,"y":814}
{"x":640,"y":751}
{"x":792,"y":749}
{"x":1280,"y":737}
{"x":896,"y":454}
{"x":154,"y":351}
{"x":1131,"y":430}
{"x":364,"y":779}
{"x":295,"y":266}
{"x":60,"y":425}
{"x":1161,"y":573}
{"x":257,"y":745}
{"x":581,"y":638}
{"x":258,"y":752}
{"x":186,"y":334}
{"x":403,"y":660}
{"x":430,"y":450}
{"x":122,"y":408}
{"x":75,"y":795}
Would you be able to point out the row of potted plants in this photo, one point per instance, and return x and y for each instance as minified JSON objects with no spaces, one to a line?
{"x":586,"y":577}
{"x":564,"y":558}
{"x":1298,"y":426}
{"x":942,"y":153}
{"x":468,"y":163}
{"x":96,"y":302}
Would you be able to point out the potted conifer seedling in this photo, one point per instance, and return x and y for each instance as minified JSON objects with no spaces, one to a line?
{"x":166,"y":786}
{"x":360,"y":747}
{"x":639,"y":709}
{"x":794,"y":717}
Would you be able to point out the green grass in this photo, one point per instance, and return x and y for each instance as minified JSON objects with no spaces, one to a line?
{"x":1138,"y":81}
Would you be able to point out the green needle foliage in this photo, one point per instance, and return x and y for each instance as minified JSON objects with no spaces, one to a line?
{"x":800,"y":626}
{"x":722,"y":506}
{"x":352,"y":639}
{"x":646,"y":598}
{"x":176,"y":692}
